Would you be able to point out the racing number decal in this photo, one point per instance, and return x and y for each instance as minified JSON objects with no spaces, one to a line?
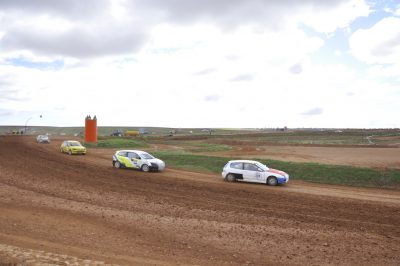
{"x":136,"y":163}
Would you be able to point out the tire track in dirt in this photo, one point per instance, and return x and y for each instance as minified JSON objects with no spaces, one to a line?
{"x":11,"y":255}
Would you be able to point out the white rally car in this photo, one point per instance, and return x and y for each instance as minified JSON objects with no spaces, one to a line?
{"x":43,"y":139}
{"x":137,"y":159}
{"x":253,"y":171}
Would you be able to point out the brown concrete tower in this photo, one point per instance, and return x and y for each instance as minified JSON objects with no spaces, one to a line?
{"x":91,"y":129}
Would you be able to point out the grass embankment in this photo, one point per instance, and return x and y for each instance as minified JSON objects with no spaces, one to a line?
{"x":312,"y":172}
{"x":208,"y":147}
{"x":329,"y":137}
{"x":119,"y":143}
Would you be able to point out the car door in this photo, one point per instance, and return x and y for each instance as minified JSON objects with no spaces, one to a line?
{"x":236,"y":168}
{"x":122,"y":157}
{"x":69,"y":146}
{"x":251,"y":173}
{"x":135,"y":159}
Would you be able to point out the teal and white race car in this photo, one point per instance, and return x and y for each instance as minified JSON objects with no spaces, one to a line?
{"x":137,"y":160}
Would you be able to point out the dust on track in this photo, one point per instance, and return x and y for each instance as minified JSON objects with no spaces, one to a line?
{"x":82,"y":208}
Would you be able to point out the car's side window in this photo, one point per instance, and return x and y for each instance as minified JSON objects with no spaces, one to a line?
{"x":237,"y":165}
{"x":133,"y":155}
{"x":250,"y":167}
{"x":123,"y":153}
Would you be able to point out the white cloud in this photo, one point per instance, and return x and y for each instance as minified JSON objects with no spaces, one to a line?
{"x":314,"y":111}
{"x":97,"y":28}
{"x":338,"y":53}
{"x":379,"y":44}
{"x":323,"y":16}
{"x":73,"y":9}
{"x":49,"y":36}
{"x":327,"y":20}
{"x":165,"y":96}
{"x":174,"y":63}
{"x":393,"y":10}
{"x":385,"y":71}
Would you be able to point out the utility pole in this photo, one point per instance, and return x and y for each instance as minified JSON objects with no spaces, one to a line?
{"x":26,"y":124}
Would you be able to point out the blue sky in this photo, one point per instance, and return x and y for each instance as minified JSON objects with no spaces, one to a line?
{"x":223,"y":63}
{"x":27,"y":63}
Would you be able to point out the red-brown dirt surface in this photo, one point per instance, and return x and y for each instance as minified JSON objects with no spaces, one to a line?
{"x":61,"y":209}
{"x":373,"y":156}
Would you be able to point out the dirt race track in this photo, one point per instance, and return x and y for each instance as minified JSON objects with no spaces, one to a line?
{"x":376,"y":157}
{"x":77,"y":210}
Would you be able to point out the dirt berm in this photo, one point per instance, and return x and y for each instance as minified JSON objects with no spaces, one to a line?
{"x":79,"y":210}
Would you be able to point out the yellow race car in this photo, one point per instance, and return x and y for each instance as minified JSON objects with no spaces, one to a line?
{"x":72,"y":147}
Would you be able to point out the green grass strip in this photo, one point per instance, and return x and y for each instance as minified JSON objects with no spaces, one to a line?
{"x":117,"y":143}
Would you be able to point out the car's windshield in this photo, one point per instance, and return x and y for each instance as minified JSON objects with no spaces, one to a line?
{"x":262,"y":166}
{"x":74,"y":144}
{"x":43,"y":137}
{"x":146,"y":156}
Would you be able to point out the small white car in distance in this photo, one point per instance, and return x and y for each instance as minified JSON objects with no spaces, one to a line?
{"x":137,"y":159}
{"x":42,"y":139}
{"x":253,"y":171}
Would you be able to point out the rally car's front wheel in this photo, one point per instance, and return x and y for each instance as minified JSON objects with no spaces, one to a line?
{"x":117,"y":164}
{"x":272,"y":181}
{"x":145,"y":168}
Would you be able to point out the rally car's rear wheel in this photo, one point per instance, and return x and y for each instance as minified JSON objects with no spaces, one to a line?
{"x":230,"y":178}
{"x":145,"y":168}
